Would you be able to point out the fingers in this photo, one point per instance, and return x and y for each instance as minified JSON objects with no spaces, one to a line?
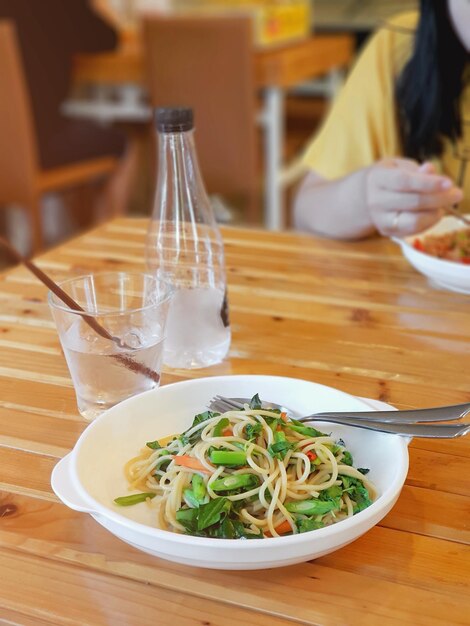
{"x":405,"y":197}
{"x":402,"y":180}
{"x":404,"y":223}
{"x":392,"y":201}
{"x":407,"y":164}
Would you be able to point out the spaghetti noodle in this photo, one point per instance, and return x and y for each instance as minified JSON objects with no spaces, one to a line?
{"x":249,"y":473}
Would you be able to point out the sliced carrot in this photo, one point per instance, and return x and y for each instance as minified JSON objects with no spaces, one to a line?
{"x":284,"y":417}
{"x":190,"y":462}
{"x":228,"y":432}
{"x":279,"y":428}
{"x":283,"y":528}
{"x":311,"y":455}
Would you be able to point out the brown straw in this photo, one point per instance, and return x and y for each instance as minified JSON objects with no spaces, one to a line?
{"x":129,"y":362}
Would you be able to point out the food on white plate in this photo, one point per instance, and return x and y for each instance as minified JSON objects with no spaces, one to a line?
{"x":451,"y":246}
{"x":247,"y":474}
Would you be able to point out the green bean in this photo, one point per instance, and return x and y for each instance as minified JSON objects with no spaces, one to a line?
{"x":312,"y":507}
{"x":135,"y":498}
{"x":228,"y":457}
{"x":235,"y":481}
{"x":190,"y":498}
{"x":199,"y":487}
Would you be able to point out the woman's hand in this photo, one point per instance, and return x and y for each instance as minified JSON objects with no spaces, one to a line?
{"x":404,"y":198}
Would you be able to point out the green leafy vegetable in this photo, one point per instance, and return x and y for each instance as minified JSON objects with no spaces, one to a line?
{"x":188,"y":519}
{"x":221,"y":426}
{"x":360,"y":498}
{"x":347,"y":458}
{"x":308,"y":431}
{"x":228,"y":529}
{"x":332,"y":493}
{"x":278,"y":450}
{"x":363,"y":470}
{"x":212,"y":512}
{"x":217,"y":519}
{"x":273,"y":423}
{"x":253,"y":431}
{"x":358,"y":494}
{"x":203,"y":417}
{"x":255,"y":402}
{"x":154,"y":445}
{"x":306,"y":524}
{"x":281,"y":446}
{"x":198,"y":419}
{"x":197,"y":520}
{"x":135,"y":498}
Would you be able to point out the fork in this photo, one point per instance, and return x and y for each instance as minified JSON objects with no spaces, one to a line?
{"x":396,"y":422}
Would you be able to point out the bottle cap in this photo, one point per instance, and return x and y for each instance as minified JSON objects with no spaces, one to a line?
{"x":174,"y":119}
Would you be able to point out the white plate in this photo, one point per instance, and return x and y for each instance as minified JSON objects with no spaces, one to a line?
{"x":447,"y":274}
{"x":91,"y":476}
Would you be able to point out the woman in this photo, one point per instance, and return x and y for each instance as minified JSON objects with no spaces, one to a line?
{"x":394,"y":143}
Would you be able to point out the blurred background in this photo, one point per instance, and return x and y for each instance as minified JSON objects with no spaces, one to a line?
{"x":79,"y":80}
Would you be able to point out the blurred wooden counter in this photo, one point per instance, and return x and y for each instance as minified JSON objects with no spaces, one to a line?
{"x":281,"y":66}
{"x":354,"y":316}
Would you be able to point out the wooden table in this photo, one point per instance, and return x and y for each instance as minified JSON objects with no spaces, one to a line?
{"x":276,"y":70}
{"x":354,"y":316}
{"x":358,"y":15}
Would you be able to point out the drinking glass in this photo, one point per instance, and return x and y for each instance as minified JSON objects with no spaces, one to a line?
{"x":125,"y":359}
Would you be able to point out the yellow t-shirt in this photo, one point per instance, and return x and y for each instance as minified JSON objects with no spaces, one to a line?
{"x":361,"y":127}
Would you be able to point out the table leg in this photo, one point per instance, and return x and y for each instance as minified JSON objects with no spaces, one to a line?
{"x":274,"y":142}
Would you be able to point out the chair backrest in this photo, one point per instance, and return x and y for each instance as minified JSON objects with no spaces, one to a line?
{"x":207,"y":63}
{"x":18,"y":149}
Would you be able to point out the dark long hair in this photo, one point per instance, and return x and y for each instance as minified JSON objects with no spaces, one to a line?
{"x":429,"y":88}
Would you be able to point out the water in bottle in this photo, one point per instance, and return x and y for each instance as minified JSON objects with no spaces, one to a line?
{"x":184,"y":246}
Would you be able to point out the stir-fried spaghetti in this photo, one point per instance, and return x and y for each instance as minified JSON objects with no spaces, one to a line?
{"x":247,"y":474}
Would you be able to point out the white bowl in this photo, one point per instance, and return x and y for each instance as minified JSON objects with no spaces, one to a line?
{"x":91,"y":476}
{"x":447,"y":274}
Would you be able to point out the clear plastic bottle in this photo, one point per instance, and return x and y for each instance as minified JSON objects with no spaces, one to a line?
{"x":185,"y":247}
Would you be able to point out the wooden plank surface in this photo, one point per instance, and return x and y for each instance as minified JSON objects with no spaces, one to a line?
{"x":353,"y":316}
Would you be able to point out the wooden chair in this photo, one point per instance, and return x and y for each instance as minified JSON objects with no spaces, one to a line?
{"x":207,"y":63}
{"x":22,"y":181}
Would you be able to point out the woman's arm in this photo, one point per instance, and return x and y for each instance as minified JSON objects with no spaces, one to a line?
{"x":334,"y":208}
{"x":394,"y":196}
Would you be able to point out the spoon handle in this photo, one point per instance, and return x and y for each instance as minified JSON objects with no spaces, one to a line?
{"x":458,"y":215}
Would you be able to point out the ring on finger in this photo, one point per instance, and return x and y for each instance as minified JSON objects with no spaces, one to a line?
{"x":395,"y":221}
